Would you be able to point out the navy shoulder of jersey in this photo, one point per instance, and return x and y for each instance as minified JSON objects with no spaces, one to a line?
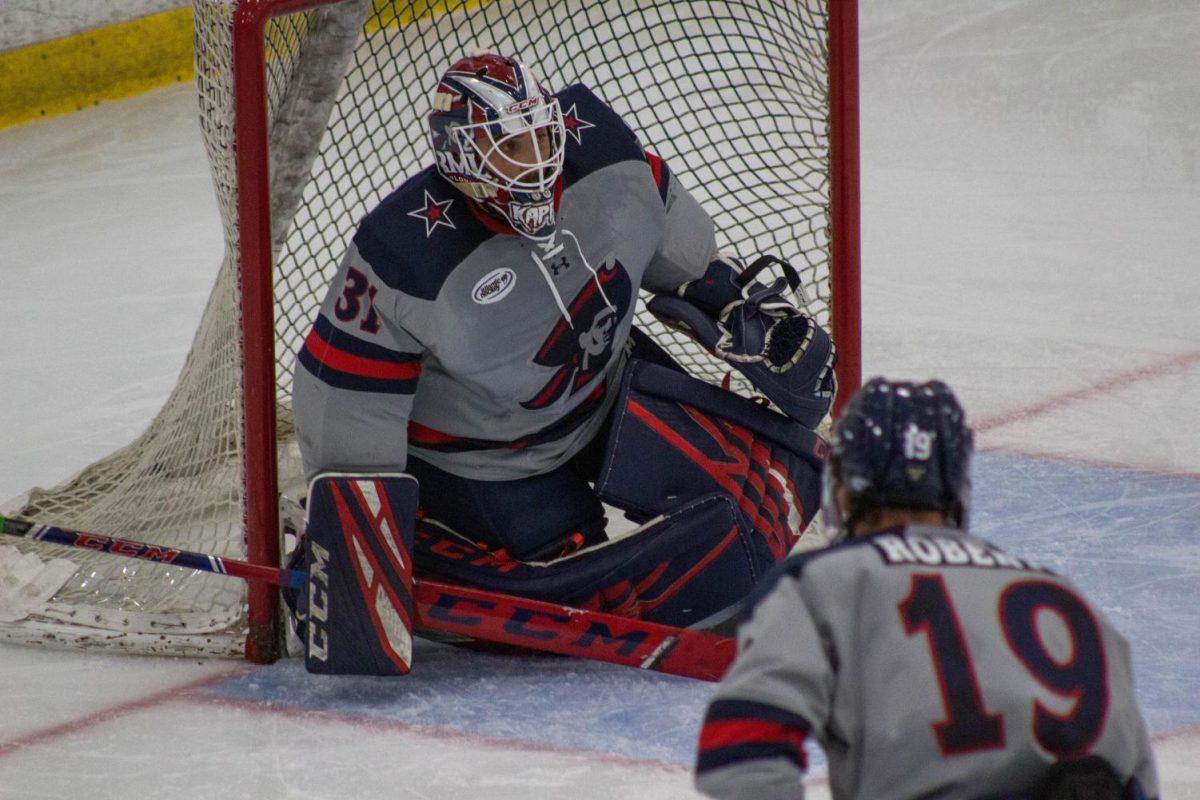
{"x":597,"y":137}
{"x":419,"y":233}
{"x":794,"y":567}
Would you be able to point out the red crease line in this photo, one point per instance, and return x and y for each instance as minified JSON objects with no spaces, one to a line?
{"x":1179,"y":733}
{"x":1084,"y":461}
{"x":111,"y":713}
{"x":1105,"y":386}
{"x":430,"y":732}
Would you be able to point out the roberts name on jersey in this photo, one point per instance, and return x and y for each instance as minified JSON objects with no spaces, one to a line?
{"x":944,"y":551}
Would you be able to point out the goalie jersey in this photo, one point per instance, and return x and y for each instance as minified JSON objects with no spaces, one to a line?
{"x":927,"y":663}
{"x":489,"y":355}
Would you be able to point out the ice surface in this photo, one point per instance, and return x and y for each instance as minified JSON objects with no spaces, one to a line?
{"x":1031,"y":191}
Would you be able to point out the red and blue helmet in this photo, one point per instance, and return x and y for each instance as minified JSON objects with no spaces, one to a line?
{"x":485,"y":108}
{"x":899,"y":445}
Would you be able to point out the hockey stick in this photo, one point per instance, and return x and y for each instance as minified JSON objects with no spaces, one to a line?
{"x":477,"y":613}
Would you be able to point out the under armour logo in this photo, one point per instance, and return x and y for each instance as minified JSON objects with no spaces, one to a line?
{"x":559,"y":265}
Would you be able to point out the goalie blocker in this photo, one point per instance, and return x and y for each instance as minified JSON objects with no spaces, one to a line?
{"x":357,"y":611}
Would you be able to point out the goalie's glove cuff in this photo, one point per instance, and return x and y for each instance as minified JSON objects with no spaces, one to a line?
{"x":727,"y":281}
{"x":720,"y":285}
{"x":780,"y":349}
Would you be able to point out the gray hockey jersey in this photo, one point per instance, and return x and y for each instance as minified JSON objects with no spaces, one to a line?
{"x":928,"y":664}
{"x":491,"y":356}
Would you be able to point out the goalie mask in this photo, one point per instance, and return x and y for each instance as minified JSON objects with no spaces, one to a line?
{"x":498,"y":136}
{"x":898,"y":445}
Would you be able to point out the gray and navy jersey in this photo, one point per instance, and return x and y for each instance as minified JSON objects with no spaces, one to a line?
{"x":441,"y":335}
{"x":928,"y":664}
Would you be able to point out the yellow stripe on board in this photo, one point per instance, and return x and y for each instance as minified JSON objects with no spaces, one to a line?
{"x":109,"y":63}
{"x":128,"y":58}
{"x":398,"y":13}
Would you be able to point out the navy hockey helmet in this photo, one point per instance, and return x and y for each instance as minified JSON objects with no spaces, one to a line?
{"x":499,"y":137}
{"x":899,"y":445}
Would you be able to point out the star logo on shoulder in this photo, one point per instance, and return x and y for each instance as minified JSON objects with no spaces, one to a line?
{"x":433,"y":213}
{"x":575,"y":124}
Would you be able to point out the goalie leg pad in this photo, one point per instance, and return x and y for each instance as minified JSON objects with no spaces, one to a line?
{"x":358,"y":555}
{"x":683,"y":568}
{"x":675,"y":438}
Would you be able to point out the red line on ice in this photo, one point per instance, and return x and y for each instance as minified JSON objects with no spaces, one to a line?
{"x":1164,"y":472}
{"x":432,"y":732}
{"x":1055,"y":402}
{"x":104,"y":715}
{"x":1179,"y":733}
{"x":187,"y":692}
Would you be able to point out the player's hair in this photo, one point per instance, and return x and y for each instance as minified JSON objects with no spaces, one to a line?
{"x":899,"y":445}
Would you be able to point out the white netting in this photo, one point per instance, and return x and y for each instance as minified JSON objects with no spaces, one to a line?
{"x":733,"y":95}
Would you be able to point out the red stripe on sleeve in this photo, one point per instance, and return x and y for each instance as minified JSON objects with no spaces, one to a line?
{"x":727,"y":733}
{"x":342,"y":361}
{"x":655,"y":168}
{"x":422,"y":435}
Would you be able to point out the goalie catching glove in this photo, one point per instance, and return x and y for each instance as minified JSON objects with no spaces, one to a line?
{"x":752,"y":325}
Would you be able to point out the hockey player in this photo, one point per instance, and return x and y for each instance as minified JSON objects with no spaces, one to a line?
{"x":479,"y":337}
{"x":926,"y":661}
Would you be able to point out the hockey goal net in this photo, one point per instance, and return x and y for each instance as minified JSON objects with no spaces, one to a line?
{"x":751,"y":102}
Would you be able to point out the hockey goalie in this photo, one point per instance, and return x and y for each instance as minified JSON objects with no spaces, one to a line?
{"x":476,"y":365}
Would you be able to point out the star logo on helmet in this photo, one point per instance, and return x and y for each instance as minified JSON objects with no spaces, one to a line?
{"x":575,"y":125}
{"x":433,"y":213}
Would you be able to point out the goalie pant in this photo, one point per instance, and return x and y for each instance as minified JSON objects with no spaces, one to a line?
{"x":927,"y":663}
{"x":725,"y":487}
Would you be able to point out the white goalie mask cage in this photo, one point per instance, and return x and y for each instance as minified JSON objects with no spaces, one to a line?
{"x":486,"y":148}
{"x":483,"y":106}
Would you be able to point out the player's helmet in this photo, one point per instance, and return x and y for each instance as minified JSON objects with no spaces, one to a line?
{"x":899,"y":445}
{"x":483,"y":106}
